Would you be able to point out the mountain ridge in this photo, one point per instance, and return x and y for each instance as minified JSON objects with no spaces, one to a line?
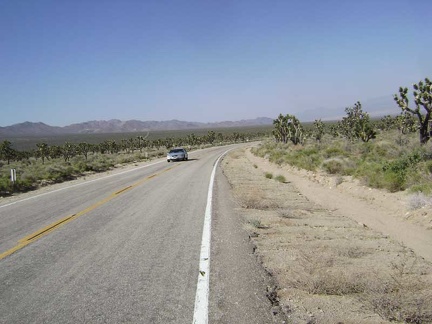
{"x":118,"y":126}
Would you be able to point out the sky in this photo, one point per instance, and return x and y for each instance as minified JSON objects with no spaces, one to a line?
{"x":71,"y":61}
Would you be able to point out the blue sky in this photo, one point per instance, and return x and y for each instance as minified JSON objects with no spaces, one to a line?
{"x":64,"y":62}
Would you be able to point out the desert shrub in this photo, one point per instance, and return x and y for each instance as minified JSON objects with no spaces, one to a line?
{"x":336,"y":283}
{"x":370,"y":174}
{"x":380,"y":164}
{"x":318,"y":275}
{"x":386,"y":150}
{"x":101,"y":163}
{"x":59,"y":173}
{"x":334,"y":151}
{"x":308,"y":158}
{"x":277,"y":156}
{"x":280,"y":178}
{"x":396,"y":171}
{"x":5,"y":185}
{"x":255,"y":198}
{"x":401,"y":295}
{"x":428,"y":167}
{"x":268,"y":175}
{"x":28,"y":177}
{"x":81,"y":166}
{"x":333,"y":166}
{"x":425,"y":187}
{"x":255,"y":223}
{"x":419,"y":200}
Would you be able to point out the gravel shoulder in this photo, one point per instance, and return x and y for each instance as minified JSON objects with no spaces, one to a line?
{"x":339,"y":252}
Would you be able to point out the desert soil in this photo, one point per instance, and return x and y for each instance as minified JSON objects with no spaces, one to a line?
{"x":339,"y":252}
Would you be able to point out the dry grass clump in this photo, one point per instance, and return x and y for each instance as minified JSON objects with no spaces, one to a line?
{"x":293,"y":213}
{"x":402,"y":295}
{"x":268,"y":175}
{"x":255,"y":198}
{"x":280,"y":178}
{"x":419,"y":200}
{"x":352,"y":251}
{"x":318,"y":273}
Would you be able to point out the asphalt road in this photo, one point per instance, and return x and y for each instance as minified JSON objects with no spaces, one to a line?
{"x":126,"y":249}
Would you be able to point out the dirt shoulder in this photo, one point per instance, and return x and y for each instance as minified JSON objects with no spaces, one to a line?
{"x":388,"y":213}
{"x":340,"y":254}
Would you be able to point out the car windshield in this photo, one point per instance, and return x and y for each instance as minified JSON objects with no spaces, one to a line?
{"x":177,"y":151}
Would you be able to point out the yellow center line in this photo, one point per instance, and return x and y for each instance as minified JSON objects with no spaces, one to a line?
{"x":53,"y":226}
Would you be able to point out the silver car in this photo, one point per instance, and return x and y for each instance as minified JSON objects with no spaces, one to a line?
{"x":177,"y":154}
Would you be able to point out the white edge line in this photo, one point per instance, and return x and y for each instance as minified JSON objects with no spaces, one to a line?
{"x":202,"y":292}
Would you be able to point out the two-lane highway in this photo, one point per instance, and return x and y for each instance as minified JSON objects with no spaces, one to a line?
{"x":124,"y":248}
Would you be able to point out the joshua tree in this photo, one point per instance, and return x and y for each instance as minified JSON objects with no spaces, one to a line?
{"x":211,"y":136}
{"x":319,"y":130}
{"x":43,"y":151}
{"x":55,"y":151}
{"x":406,"y":123}
{"x":68,"y":151}
{"x":6,"y":151}
{"x":357,"y":124}
{"x":84,"y":148}
{"x":140,"y":140}
{"x":387,"y":123}
{"x":422,"y":99}
{"x":281,"y":128}
{"x":219,"y":137}
{"x":288,"y":127}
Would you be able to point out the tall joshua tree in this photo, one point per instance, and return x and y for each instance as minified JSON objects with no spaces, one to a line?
{"x":422,"y":99}
{"x":43,"y":151}
{"x":288,"y":127}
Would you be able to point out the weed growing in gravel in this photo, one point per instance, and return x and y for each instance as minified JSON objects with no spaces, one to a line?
{"x":419,"y":200}
{"x":317,"y":274}
{"x":402,"y":295}
{"x":255,"y":223}
{"x":280,"y":178}
{"x":255,"y":198}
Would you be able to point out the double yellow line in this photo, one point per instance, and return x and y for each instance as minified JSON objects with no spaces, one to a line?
{"x":53,"y":226}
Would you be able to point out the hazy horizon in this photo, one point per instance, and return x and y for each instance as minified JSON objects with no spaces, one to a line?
{"x":70,"y":62}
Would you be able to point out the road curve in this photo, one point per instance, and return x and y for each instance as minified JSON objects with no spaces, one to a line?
{"x":121,"y":249}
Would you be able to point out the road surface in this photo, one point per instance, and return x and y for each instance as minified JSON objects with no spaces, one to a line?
{"x":126,"y":249}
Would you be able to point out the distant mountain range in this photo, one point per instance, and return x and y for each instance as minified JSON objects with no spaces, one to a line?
{"x":118,"y":126}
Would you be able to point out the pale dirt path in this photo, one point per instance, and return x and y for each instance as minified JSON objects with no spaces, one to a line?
{"x":379,"y":210}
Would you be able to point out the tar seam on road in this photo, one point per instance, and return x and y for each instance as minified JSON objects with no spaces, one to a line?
{"x":53,"y":226}
{"x":202,"y":292}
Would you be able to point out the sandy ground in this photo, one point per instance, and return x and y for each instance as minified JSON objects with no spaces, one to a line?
{"x":340,"y":252}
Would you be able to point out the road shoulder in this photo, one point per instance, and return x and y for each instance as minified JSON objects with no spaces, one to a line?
{"x":240,"y":288}
{"x":328,"y":267}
